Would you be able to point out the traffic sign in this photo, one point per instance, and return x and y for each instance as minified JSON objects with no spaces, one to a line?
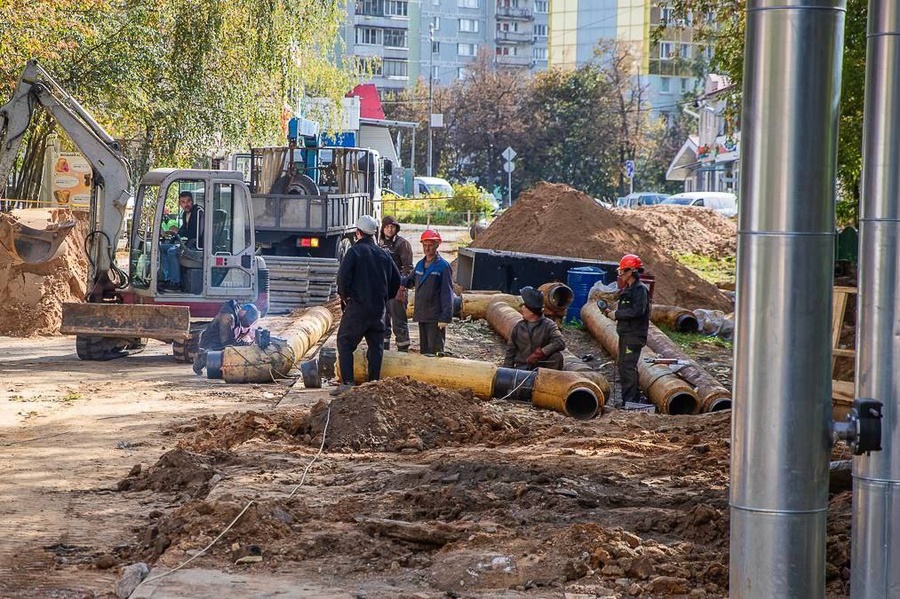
{"x":509,"y":166}
{"x":629,"y":169}
{"x":508,"y":154}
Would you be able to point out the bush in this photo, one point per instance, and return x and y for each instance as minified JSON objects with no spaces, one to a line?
{"x":467,"y":202}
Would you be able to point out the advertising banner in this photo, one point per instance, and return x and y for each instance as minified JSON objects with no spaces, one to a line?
{"x":70,"y":181}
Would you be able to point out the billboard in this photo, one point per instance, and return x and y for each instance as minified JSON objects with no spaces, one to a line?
{"x":70,"y":180}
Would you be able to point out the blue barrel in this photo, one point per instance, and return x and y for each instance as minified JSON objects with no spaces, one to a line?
{"x":581,"y":280}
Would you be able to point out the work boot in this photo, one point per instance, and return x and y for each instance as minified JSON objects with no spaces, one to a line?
{"x":403,"y":348}
{"x":340,"y":390}
{"x":199,"y":362}
{"x":387,"y":344}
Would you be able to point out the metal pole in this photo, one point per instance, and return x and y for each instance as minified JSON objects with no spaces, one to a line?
{"x":509,"y":187}
{"x":430,"y":91}
{"x":876,"y":478}
{"x":781,"y":424}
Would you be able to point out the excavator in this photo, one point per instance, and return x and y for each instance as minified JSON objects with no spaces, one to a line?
{"x":125,"y":306}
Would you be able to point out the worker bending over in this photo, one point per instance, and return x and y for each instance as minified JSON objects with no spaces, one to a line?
{"x":233,"y":325}
{"x":535,"y":341}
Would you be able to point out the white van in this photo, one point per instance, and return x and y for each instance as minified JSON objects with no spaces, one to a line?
{"x":432,"y":186}
{"x":720,"y":201}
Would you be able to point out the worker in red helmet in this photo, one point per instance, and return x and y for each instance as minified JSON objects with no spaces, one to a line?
{"x":432,"y":280}
{"x":632,"y":316}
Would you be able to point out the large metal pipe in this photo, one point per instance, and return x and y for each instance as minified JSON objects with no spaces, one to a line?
{"x":253,"y":364}
{"x":678,"y":319}
{"x":713,"y":396}
{"x":476,"y":304}
{"x":557,"y":298}
{"x":782,"y":385}
{"x":875,"y":554}
{"x":565,"y":392}
{"x":669,"y":394}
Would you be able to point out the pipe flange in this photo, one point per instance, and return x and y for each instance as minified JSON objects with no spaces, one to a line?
{"x":309,"y":371}
{"x":214,"y":360}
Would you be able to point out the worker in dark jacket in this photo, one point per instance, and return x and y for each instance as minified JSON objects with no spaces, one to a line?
{"x":189,"y":236}
{"x":535,"y":341}
{"x":233,"y":325}
{"x":395,"y":313}
{"x":367,"y":279}
{"x":432,"y":280}
{"x":632,"y":316}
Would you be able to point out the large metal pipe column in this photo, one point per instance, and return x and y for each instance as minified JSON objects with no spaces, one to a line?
{"x":875,"y":552}
{"x":781,"y":424}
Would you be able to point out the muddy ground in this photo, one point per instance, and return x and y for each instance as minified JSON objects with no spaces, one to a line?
{"x":418,"y":492}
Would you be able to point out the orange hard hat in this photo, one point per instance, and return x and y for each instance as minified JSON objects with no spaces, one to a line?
{"x":430,"y":235}
{"x":630,"y":261}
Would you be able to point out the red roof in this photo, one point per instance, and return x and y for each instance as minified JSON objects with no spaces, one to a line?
{"x":369,"y":103}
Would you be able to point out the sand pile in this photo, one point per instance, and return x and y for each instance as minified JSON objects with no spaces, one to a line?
{"x":680,"y":230}
{"x":32,"y":294}
{"x":557,"y":220}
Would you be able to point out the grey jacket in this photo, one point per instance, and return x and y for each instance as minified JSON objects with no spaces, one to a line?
{"x":527,"y":337}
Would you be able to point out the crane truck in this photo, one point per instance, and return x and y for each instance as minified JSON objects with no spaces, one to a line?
{"x":123,"y":307}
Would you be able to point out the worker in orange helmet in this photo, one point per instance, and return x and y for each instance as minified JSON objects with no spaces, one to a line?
{"x":432,"y":280}
{"x":632,"y":316}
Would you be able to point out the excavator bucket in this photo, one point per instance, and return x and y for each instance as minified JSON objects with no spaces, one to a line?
{"x":33,"y":240}
{"x":166,"y":323}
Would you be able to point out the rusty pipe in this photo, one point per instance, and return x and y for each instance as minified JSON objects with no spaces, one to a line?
{"x":476,"y":304}
{"x":569,"y":393}
{"x":253,"y":364}
{"x":557,"y":297}
{"x":670,"y":394}
{"x":713,"y":396}
{"x":679,"y":319}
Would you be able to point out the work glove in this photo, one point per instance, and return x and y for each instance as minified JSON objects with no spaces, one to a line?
{"x":401,"y":294}
{"x":535,"y":357}
{"x":442,"y":325}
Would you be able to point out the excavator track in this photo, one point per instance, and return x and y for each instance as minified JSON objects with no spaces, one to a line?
{"x":185,"y":351}
{"x":106,"y":348}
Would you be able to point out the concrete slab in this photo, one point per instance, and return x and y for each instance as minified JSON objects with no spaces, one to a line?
{"x":198,"y":583}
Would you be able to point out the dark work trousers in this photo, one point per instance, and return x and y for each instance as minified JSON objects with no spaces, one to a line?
{"x":356,"y":323}
{"x":629,"y":354}
{"x":554,"y":361}
{"x":395,"y":320}
{"x":431,"y":338}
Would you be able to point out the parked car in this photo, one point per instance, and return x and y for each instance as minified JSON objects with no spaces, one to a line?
{"x":432,"y":186}
{"x":644,"y":198}
{"x":720,"y":201}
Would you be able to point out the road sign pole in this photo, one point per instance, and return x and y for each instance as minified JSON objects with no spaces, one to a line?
{"x":509,"y":188}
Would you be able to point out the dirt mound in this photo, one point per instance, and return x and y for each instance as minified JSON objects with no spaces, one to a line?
{"x":679,"y":230}
{"x":33,"y":294}
{"x":225,"y":432}
{"x":176,"y":471}
{"x":558,"y":220}
{"x":400,"y":413}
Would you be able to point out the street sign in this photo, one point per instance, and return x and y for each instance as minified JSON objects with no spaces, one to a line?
{"x":629,"y":169}
{"x":508,"y":154}
{"x":509,"y":166}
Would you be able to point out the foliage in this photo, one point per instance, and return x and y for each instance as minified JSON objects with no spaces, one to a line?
{"x":439,"y":210}
{"x":691,"y":341}
{"x":469,"y":198}
{"x":711,"y":269}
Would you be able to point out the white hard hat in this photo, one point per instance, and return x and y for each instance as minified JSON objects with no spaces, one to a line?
{"x":367,"y":224}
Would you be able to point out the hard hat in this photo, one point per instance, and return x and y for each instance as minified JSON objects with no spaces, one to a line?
{"x":389,"y":220}
{"x":533,"y":299}
{"x":430,"y":235}
{"x":367,"y":224}
{"x":632,"y":262}
{"x":251,"y":314}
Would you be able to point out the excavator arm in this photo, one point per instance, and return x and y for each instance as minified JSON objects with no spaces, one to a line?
{"x":111,"y":179}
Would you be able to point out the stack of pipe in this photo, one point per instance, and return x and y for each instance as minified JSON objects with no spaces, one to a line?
{"x":670,"y":394}
{"x":255,"y":364}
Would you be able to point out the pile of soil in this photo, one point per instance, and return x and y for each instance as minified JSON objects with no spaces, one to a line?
{"x":32,"y":294}
{"x":176,"y":471}
{"x":680,"y":230}
{"x":557,"y":220}
{"x":400,"y":413}
{"x":225,"y":432}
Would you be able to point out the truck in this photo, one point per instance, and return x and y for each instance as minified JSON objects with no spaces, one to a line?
{"x":126,"y":306}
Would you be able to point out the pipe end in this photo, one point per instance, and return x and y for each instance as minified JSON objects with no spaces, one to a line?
{"x":214,"y":361}
{"x":687,"y":323}
{"x":582,"y":404}
{"x":720,"y":405}
{"x":682,"y":404}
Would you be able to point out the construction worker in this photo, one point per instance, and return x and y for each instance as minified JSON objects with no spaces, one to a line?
{"x":190,"y":235}
{"x":632,"y":316}
{"x":233,"y":325}
{"x":535,"y":341}
{"x":367,"y":279}
{"x":433,"y":284}
{"x":395,"y":314}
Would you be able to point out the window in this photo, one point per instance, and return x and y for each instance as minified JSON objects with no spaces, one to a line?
{"x":435,"y":47}
{"x":395,"y":68}
{"x":540,"y":31}
{"x":467,"y":49}
{"x":467,"y":3}
{"x":684,"y":51}
{"x":685,"y":83}
{"x":502,"y":50}
{"x":462,"y":73}
{"x":395,"y":38}
{"x":436,"y":23}
{"x":370,"y":7}
{"x":368,"y":65}
{"x":368,"y":35}
{"x":665,"y":50}
{"x":396,"y":8}
{"x":539,"y":53}
{"x":666,"y":15}
{"x":542,"y":6}
{"x":468,"y":26}
{"x":665,"y":85}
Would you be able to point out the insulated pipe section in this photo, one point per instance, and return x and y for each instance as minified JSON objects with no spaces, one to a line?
{"x":557,"y":297}
{"x":678,"y":319}
{"x":876,"y":477}
{"x":476,"y":304}
{"x":255,"y":364}
{"x":669,"y":394}
{"x":713,"y":396}
{"x":564,"y":392}
{"x":781,"y":424}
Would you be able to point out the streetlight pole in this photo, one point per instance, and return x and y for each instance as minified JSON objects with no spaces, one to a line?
{"x":430,"y":91}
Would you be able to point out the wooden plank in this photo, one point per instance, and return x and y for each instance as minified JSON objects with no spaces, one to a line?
{"x":844,"y":353}
{"x":842,"y":392}
{"x":126,"y":320}
{"x":837,"y":319}
{"x":844,"y":289}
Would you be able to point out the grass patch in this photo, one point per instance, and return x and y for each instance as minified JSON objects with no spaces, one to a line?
{"x":710,"y":269}
{"x":692,"y":341}
{"x":72,"y":396}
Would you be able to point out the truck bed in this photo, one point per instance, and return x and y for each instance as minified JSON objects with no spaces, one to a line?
{"x":313,"y":214}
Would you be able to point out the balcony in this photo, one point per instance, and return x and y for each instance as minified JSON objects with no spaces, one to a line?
{"x":516,"y":14}
{"x":513,"y":37}
{"x":507,"y":60}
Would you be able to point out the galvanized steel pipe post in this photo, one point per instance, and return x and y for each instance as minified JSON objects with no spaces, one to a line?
{"x":781,"y":428}
{"x":876,"y":478}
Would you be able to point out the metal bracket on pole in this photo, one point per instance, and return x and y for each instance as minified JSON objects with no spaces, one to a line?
{"x":862,"y":429}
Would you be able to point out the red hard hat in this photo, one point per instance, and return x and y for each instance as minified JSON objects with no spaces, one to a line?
{"x":630,"y":261}
{"x":430,"y":235}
